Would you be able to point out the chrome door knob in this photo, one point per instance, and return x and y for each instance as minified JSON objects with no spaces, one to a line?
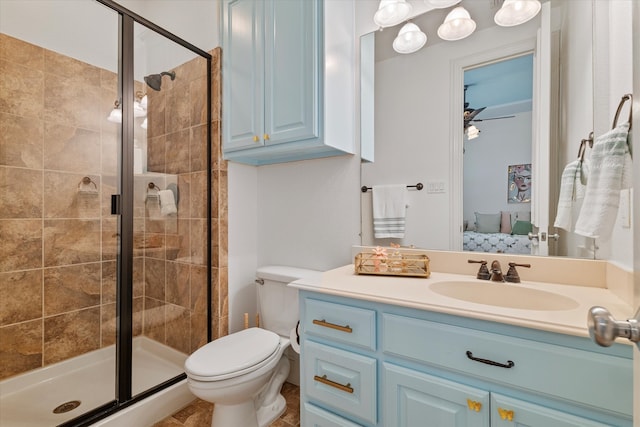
{"x":604,"y":329}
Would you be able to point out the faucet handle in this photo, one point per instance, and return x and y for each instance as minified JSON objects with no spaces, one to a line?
{"x":483,"y":272}
{"x":512,"y":275}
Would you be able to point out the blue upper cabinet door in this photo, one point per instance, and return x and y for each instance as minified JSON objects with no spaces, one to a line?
{"x":413,"y":398}
{"x":292,"y":71}
{"x":243,"y":73}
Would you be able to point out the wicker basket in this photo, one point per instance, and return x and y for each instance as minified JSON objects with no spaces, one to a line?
{"x":400,"y":265}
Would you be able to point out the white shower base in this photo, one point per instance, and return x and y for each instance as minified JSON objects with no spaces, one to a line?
{"x":28,"y":400}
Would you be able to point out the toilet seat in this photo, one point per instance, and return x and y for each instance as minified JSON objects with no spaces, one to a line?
{"x":233,"y":355}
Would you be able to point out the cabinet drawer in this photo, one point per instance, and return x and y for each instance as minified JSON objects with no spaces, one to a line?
{"x":541,"y":367}
{"x":350,"y":325}
{"x":312,"y":416}
{"x":507,"y":412}
{"x":340,"y":379}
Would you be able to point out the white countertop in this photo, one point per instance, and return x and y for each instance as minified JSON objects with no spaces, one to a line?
{"x":414,"y":292}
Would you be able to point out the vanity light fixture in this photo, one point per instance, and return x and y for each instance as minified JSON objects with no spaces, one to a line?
{"x":457,"y":25}
{"x":115,"y":116}
{"x":441,"y":4}
{"x":410,"y":39}
{"x":516,"y":12}
{"x":139,"y":108}
{"x":472,"y":132}
{"x":392,"y":12}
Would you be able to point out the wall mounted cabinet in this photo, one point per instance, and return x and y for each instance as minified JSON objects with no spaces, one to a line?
{"x":376,"y":364}
{"x":278,"y":93}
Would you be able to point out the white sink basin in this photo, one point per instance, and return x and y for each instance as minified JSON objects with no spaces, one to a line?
{"x":505,"y":295}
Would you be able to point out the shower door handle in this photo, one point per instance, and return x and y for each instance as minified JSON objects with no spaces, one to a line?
{"x":115,"y":204}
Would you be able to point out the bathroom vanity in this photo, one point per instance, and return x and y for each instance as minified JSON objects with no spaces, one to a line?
{"x":398,"y":351}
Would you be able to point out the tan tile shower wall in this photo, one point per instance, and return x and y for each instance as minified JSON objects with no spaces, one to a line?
{"x":58,"y":247}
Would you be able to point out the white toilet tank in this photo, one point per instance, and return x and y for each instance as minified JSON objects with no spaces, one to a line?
{"x":277,"y":302}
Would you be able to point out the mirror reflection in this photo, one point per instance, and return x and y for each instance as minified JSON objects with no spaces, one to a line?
{"x":497,"y":175}
{"x":414,"y":131}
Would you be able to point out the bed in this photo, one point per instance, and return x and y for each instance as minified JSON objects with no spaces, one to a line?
{"x":496,"y":242}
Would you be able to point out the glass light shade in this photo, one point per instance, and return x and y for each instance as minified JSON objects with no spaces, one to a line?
{"x":516,"y":12}
{"x":472,"y":132}
{"x":143,"y":125}
{"x":115,"y":116}
{"x":138,"y":111}
{"x":457,"y":25}
{"x":392,"y":12}
{"x":410,"y":39}
{"x":441,"y":4}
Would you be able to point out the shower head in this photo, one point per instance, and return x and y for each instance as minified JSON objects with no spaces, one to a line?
{"x":154,"y":81}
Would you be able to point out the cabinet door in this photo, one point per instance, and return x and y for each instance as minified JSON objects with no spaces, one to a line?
{"x":243,"y":73}
{"x":413,"y":398}
{"x":508,"y":412}
{"x":292,"y":70}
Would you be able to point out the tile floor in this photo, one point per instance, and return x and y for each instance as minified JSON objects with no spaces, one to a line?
{"x":198,"y":414}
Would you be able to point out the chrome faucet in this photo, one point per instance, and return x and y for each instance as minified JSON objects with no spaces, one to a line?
{"x":496,"y":272}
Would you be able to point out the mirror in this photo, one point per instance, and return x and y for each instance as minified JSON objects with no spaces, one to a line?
{"x":414,"y":120}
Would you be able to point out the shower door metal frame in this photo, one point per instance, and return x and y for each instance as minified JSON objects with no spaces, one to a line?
{"x":122,"y":206}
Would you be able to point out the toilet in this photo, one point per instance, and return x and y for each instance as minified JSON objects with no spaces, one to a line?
{"x":242,"y":373}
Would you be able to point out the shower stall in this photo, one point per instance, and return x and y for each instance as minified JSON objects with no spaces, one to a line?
{"x":112,"y":211}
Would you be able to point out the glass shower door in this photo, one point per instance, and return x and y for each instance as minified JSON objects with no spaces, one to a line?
{"x":58,"y":247}
{"x":170,"y":207}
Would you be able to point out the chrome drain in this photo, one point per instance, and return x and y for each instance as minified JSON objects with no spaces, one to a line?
{"x":66,"y":407}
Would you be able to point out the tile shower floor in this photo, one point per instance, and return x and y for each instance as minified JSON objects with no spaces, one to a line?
{"x":198,"y":414}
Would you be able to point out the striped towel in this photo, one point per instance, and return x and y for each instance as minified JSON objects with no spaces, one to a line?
{"x":572,"y":189}
{"x":389,"y":209}
{"x":610,"y":172}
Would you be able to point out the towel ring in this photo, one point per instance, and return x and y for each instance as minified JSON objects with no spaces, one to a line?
{"x":582,"y":149}
{"x":87,"y":181}
{"x":625,"y":98}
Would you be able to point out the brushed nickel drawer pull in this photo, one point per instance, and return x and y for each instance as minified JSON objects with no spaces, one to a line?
{"x":323,"y":379}
{"x":326,"y":324}
{"x":508,"y":365}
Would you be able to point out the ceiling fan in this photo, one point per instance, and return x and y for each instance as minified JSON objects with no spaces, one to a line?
{"x":469,"y":114}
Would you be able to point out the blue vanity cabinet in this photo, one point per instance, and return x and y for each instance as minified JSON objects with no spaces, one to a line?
{"x":448,"y":371}
{"x":273,"y":81}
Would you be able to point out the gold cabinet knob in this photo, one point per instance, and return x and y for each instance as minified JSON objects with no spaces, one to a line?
{"x":265,"y":137}
{"x":505,"y":414}
{"x":474,"y":405}
{"x":256,"y":138}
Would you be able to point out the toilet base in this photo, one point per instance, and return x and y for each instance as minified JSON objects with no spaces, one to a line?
{"x":268,"y":414}
{"x":245,"y":415}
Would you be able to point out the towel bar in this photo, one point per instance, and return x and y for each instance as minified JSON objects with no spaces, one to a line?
{"x":418,"y":187}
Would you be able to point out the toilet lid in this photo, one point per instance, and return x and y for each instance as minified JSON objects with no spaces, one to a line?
{"x":232,"y":353}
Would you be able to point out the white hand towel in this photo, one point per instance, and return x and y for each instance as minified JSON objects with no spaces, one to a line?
{"x":572,"y":189}
{"x":609,"y":173}
{"x":167,"y":203}
{"x":389,"y":210}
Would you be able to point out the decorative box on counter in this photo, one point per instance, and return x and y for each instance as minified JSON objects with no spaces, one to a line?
{"x":379,"y":262}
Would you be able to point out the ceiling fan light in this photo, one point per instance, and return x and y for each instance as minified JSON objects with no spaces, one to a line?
{"x":472,"y":132}
{"x":392,"y":12}
{"x":516,"y":12}
{"x":410,"y":39}
{"x":441,"y":4}
{"x":457,"y":25}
